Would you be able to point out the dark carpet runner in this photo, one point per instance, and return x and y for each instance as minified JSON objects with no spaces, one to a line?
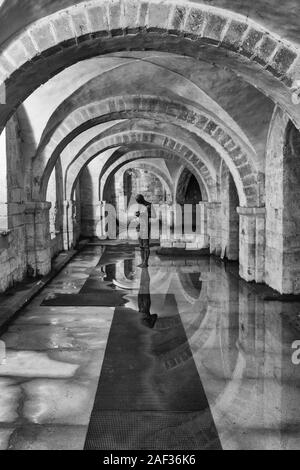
{"x":150,"y":395}
{"x":147,"y":398}
{"x":95,"y":292}
{"x":100,"y":299}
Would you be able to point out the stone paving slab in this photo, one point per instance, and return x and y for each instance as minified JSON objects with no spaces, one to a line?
{"x":17,"y":297}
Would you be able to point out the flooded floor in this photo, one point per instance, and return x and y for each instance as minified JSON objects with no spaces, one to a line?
{"x":183,"y":355}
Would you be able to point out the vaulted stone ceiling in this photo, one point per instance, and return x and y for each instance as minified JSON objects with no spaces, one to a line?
{"x":236,"y":100}
{"x":279,"y":17}
{"x":192,"y":84}
{"x":265,"y":48}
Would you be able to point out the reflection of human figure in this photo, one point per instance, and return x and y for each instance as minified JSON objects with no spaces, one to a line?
{"x":144,"y":300}
{"x":144,"y":228}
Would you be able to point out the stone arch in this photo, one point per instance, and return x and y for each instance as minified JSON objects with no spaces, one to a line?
{"x":187,"y":282}
{"x":116,"y":159}
{"x":148,"y":139}
{"x":184,"y":176}
{"x":72,"y":34}
{"x":126,"y":107}
{"x":131,"y":76}
{"x":113,"y":163}
{"x":150,"y":167}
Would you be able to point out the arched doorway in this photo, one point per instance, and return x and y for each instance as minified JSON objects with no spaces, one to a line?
{"x":188,"y":196}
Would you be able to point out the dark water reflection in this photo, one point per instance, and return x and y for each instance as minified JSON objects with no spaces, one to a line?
{"x":241,"y":345}
{"x":208,"y":321}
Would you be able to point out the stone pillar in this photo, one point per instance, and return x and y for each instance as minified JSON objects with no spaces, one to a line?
{"x":214,"y":227}
{"x":252,"y":243}
{"x":3,"y":183}
{"x":229,"y":217}
{"x":202,"y":223}
{"x":38,"y":238}
{"x":69,"y":222}
{"x":122,"y":211}
{"x":101,"y":217}
{"x":5,"y":239}
{"x":177,"y":221}
{"x":282,"y":205}
{"x":3,"y":216}
{"x":89,"y":219}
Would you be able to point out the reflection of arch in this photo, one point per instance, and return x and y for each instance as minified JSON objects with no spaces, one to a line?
{"x":122,"y":156}
{"x":148,"y":139}
{"x":191,"y":284}
{"x":240,"y":164}
{"x":125,"y":275}
{"x":199,"y":332}
{"x":48,"y":45}
{"x":181,"y":353}
{"x":129,"y":268}
{"x":155,"y":170}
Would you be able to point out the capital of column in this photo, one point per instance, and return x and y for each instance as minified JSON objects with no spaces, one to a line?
{"x":34,"y":207}
{"x":204,"y":203}
{"x":252,"y":211}
{"x":213,"y":205}
{"x":14,"y":207}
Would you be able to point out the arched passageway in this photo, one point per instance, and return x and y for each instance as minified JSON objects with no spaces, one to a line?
{"x":195,"y":105}
{"x":188,"y":195}
{"x":55,"y":151}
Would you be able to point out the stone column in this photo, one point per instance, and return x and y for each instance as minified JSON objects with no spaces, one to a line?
{"x":202,"y":223}
{"x":282,"y":205}
{"x":3,"y":216}
{"x":65,"y":226}
{"x":177,"y":222}
{"x":123,"y":215}
{"x":69,"y":220}
{"x":89,"y":219}
{"x":252,"y":243}
{"x":3,"y":183}
{"x":229,"y":217}
{"x":38,"y":238}
{"x":214,"y":227}
{"x":100,"y":228}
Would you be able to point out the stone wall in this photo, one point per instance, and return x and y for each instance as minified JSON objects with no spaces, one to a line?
{"x":124,"y":183}
{"x":89,"y":197}
{"x":55,"y":197}
{"x":25,"y":248}
{"x":282,"y":206}
{"x":77,"y":227}
{"x":221,"y":114}
{"x":214,"y":227}
{"x":13,"y":259}
{"x":142,"y":182}
{"x":229,"y":216}
{"x":252,"y":243}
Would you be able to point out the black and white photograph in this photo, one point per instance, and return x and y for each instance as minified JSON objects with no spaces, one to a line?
{"x":149,"y":228}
